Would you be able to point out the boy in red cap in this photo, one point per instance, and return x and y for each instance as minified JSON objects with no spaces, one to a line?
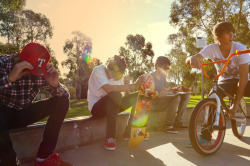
{"x":22,"y":76}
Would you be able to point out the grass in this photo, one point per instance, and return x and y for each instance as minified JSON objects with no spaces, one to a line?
{"x":80,"y":107}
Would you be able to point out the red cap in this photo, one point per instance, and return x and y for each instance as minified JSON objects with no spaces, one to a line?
{"x":38,"y":55}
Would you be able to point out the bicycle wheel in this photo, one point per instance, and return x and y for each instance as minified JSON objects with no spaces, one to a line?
{"x":239,"y":125}
{"x":206,"y":138}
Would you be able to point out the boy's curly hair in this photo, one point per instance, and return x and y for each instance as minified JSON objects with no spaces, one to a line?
{"x":221,"y":28}
{"x":117,"y":63}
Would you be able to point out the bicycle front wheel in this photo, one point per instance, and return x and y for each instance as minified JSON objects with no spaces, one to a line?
{"x":205,"y":137}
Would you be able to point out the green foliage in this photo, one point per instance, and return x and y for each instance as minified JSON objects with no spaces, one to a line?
{"x":7,"y":49}
{"x":23,"y":26}
{"x":138,"y":54}
{"x":72,"y":91}
{"x":12,"y":4}
{"x":35,"y":27}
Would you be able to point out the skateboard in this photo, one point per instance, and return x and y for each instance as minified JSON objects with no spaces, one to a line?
{"x":145,"y":96}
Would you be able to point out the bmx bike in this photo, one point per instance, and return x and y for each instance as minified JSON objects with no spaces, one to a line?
{"x":207,"y":125}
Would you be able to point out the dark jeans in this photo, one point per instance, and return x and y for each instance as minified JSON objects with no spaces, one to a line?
{"x":109,"y":106}
{"x":55,"y":107}
{"x":230,"y":86}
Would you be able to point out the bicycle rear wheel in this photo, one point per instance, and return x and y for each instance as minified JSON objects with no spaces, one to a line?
{"x":239,"y":125}
{"x":206,"y":138}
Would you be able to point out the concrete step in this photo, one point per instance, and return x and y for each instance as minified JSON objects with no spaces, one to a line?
{"x":75,"y":132}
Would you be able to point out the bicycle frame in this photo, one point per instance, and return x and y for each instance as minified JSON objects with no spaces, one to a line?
{"x":226,"y":63}
{"x":220,"y":102}
{"x":216,"y":87}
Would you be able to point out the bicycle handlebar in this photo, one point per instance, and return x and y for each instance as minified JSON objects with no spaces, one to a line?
{"x":226,"y":60}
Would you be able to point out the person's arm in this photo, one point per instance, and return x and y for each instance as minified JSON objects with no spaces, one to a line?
{"x":126,"y":81}
{"x":121,"y":88}
{"x":19,"y":70}
{"x":5,"y":82}
{"x":54,"y":87}
{"x":194,"y":61}
{"x":118,"y":88}
{"x":243,"y":72}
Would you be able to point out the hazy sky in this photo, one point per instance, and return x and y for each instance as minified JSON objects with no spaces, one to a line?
{"x":107,"y":22}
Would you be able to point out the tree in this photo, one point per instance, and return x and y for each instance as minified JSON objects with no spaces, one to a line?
{"x":36,"y":27}
{"x":7,"y":49}
{"x":24,"y":26}
{"x":9,"y":10}
{"x":138,"y":54}
{"x":79,"y":60}
{"x":12,"y":4}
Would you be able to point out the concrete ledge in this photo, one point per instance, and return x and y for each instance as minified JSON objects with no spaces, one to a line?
{"x":74,"y":132}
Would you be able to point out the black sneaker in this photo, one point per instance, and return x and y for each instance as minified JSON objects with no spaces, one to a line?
{"x":180,"y":125}
{"x":171,"y":129}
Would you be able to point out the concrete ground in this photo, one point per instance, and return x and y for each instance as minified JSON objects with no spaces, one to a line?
{"x":162,"y":149}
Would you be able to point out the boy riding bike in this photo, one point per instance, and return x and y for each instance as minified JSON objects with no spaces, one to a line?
{"x":235,"y":79}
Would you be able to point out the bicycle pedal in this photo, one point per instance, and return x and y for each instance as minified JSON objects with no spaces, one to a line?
{"x":219,"y":127}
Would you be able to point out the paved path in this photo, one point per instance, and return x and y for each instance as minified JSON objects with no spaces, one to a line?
{"x":163,"y":149}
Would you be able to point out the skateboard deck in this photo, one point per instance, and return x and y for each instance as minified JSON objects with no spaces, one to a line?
{"x":145,"y":95}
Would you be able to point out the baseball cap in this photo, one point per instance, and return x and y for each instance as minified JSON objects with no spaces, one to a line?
{"x":39,"y":56}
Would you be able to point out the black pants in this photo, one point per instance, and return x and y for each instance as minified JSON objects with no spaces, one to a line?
{"x":55,"y":107}
{"x":109,"y":106}
{"x":230,"y":86}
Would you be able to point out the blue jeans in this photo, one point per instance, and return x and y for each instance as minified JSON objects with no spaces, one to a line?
{"x":175,"y":106}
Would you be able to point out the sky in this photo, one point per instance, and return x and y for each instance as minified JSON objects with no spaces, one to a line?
{"x":107,"y":23}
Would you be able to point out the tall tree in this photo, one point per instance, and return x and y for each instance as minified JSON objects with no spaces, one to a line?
{"x":23,"y":26}
{"x":8,"y":16}
{"x":138,"y":54}
{"x":78,"y":50}
{"x":35,"y":27}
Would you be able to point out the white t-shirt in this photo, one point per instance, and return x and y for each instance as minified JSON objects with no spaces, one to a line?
{"x":97,"y":79}
{"x":213,"y":52}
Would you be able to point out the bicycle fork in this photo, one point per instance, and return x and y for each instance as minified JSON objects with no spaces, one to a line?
{"x":216,"y":125}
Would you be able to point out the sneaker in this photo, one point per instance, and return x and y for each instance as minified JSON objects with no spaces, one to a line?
{"x":53,"y":160}
{"x":110,"y":144}
{"x":189,"y":145}
{"x":180,"y":125}
{"x":171,"y":129}
{"x":202,"y":141}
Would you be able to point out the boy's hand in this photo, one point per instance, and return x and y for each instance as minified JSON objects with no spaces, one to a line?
{"x":126,"y":79}
{"x":19,"y":70}
{"x":140,"y":80}
{"x":195,"y":63}
{"x":53,"y":78}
